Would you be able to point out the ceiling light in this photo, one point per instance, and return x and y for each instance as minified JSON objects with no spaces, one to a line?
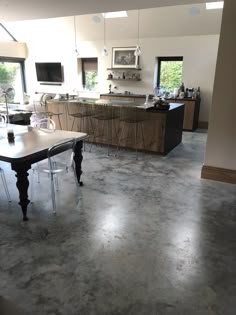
{"x":215,"y":5}
{"x":118,"y":14}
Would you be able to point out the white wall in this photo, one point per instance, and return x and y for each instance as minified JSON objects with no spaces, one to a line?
{"x":221,"y":144}
{"x":53,"y":40}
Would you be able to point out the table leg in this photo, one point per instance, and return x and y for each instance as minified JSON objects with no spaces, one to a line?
{"x":78,"y":157}
{"x":22,"y":184}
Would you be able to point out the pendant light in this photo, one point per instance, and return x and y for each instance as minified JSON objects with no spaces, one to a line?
{"x":104,"y":51}
{"x":138,"y":50}
{"x":76,"y":49}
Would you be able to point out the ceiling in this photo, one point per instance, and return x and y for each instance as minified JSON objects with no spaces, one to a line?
{"x":18,"y":10}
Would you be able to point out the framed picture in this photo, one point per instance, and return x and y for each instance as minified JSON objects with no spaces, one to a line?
{"x":124,"y":57}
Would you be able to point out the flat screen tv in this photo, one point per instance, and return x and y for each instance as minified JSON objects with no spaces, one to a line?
{"x":49,"y":72}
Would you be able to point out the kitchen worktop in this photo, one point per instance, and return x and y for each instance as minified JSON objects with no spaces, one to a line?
{"x":125,"y":95}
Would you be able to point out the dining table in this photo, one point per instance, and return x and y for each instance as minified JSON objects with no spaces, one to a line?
{"x":22,"y":146}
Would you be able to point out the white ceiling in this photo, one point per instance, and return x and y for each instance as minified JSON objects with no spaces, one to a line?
{"x":18,"y":10}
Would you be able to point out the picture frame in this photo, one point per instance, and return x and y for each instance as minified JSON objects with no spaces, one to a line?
{"x":124,"y":57}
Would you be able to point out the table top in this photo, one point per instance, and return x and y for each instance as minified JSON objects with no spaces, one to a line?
{"x":28,"y":143}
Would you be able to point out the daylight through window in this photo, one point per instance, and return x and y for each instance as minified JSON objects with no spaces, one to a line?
{"x":169,"y":74}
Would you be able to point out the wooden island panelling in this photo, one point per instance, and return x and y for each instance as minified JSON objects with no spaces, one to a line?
{"x":162,"y":129}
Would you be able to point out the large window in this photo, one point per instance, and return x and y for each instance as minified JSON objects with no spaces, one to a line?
{"x":169,"y":74}
{"x":12,"y":76}
{"x":89,"y":73}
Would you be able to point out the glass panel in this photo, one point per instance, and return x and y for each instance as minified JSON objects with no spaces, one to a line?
{"x":171,"y":75}
{"x":11,"y":77}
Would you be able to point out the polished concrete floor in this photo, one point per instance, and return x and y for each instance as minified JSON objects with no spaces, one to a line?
{"x":142,"y":237}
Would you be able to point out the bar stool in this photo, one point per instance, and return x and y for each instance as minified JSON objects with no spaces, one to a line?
{"x":131,"y":128}
{"x":83,"y":115}
{"x":106,"y":131}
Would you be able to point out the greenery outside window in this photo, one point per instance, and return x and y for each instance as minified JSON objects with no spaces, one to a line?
{"x":12,"y":75}
{"x":169,"y":74}
{"x":89,"y":73}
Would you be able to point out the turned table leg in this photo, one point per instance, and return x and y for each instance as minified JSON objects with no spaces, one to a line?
{"x":78,"y":157}
{"x":22,"y":185}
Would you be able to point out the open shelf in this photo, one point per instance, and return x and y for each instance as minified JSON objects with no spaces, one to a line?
{"x":124,"y":79}
{"x":123,"y":69}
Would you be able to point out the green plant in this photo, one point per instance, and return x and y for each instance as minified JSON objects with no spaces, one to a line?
{"x":7,"y":78}
{"x":171,"y":74}
{"x":90,"y":80}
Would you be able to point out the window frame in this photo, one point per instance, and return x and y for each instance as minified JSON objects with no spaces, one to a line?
{"x":21,"y":61}
{"x":160,"y":59}
{"x":83,"y":61}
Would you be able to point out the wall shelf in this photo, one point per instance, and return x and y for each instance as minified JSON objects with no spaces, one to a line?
{"x":123,"y":69}
{"x":123,"y":79}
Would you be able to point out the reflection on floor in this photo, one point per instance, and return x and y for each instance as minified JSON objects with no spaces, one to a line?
{"x":140,"y":238}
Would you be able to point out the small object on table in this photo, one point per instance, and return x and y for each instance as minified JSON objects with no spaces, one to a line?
{"x":10,"y":135}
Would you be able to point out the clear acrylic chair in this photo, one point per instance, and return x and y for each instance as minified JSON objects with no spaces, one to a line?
{"x":56,"y":166}
{"x":40,"y":107}
{"x":3,"y":122}
{"x":47,"y":125}
{"x":5,"y":184}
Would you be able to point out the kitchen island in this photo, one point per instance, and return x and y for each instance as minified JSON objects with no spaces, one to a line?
{"x":191,"y":108}
{"x":162,"y":129}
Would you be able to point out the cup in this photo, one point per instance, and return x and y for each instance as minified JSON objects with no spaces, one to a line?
{"x":10,"y":135}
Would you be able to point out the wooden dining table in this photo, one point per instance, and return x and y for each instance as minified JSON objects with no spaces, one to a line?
{"x":30,"y":145}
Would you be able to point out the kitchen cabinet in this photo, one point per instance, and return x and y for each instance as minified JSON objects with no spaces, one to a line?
{"x":191,"y":112}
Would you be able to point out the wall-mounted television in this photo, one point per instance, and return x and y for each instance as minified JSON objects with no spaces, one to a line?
{"x":49,"y":72}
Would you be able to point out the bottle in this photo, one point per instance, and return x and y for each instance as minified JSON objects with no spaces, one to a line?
{"x":198,"y":92}
{"x":123,"y":75}
{"x":186,"y":93}
{"x":182,"y":88}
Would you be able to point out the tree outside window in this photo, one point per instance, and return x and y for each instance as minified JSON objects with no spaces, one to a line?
{"x":11,"y":76}
{"x":169,"y":73}
{"x":89,"y":73}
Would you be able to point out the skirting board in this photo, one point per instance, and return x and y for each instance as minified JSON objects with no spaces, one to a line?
{"x":219,"y":174}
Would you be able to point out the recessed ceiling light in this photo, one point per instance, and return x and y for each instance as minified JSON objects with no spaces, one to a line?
{"x":215,"y":5}
{"x":96,"y":19}
{"x":117,"y":14}
{"x":194,"y":11}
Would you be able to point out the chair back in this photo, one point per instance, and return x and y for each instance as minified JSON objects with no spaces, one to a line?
{"x":47,"y":124}
{"x":59,"y":147}
{"x":3,"y":120}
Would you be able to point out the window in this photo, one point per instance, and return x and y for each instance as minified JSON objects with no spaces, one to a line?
{"x":89,"y":73}
{"x":12,"y":75}
{"x":169,"y":74}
